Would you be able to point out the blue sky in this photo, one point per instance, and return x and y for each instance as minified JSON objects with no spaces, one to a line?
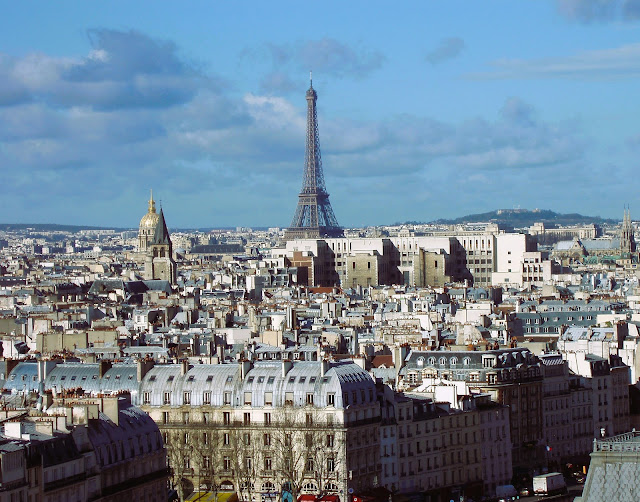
{"x":426,"y":109}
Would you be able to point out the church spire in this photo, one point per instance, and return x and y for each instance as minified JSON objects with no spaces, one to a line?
{"x":152,"y":204}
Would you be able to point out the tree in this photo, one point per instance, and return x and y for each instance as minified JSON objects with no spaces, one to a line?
{"x":179,"y":456}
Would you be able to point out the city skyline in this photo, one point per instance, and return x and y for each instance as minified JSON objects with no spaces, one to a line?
{"x":425,"y":110}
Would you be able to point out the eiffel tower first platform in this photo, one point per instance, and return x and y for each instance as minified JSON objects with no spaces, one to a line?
{"x":314,"y":216}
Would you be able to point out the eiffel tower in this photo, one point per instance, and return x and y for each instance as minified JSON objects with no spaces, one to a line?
{"x":314,"y":216}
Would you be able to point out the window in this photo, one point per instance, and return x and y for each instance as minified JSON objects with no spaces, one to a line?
{"x":309,"y":397}
{"x":246,"y":439}
{"x":165,"y":417}
{"x":330,"y":440}
{"x":226,"y":440}
{"x":268,"y":398}
{"x":205,"y":417}
{"x":247,"y":418}
{"x":227,"y":398}
{"x":206,"y":461}
{"x":206,"y":397}
{"x":187,"y":398}
{"x":226,"y":418}
{"x":331,"y":465}
{"x":309,"y":464}
{"x":185,"y":417}
{"x":268,"y":465}
{"x":146,"y":398}
{"x":166,"y":398}
{"x":229,"y":378}
{"x":302,"y":379}
{"x":247,"y":398}
{"x":226,"y":463}
{"x":331,"y":399}
{"x":267,"y":419}
{"x":288,"y":398}
{"x":267,"y":439}
{"x":205,"y":438}
{"x":309,"y":419}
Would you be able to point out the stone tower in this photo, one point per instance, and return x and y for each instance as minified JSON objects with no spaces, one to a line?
{"x":154,"y":241}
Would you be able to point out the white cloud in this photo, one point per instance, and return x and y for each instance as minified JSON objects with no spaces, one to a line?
{"x":618,"y":62}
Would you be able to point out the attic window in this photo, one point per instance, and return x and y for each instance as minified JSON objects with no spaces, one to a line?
{"x":94,"y":377}
{"x":302,"y":379}
{"x":73,"y":378}
{"x":292,"y":379}
{"x":152,"y":378}
{"x":325,"y":380}
{"x":170,"y":379}
{"x":117,"y":377}
{"x":64,"y":377}
{"x":312,"y":380}
{"x":260,"y":379}
{"x":53,"y":378}
{"x":210,"y":378}
{"x":130,"y":377}
{"x":250,"y":379}
{"x":190,"y":379}
{"x":230,"y":378}
{"x":271,"y":380}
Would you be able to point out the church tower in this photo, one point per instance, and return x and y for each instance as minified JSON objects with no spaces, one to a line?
{"x":154,"y":241}
{"x":627,"y":240}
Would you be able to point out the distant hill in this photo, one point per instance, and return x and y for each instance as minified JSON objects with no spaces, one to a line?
{"x":520,"y":218}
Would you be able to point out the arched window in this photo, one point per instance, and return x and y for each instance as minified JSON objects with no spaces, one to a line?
{"x":432,"y":361}
{"x":466,"y":361}
{"x":453,"y":361}
{"x":309,"y":487}
{"x":443,"y":361}
{"x":420,"y":361}
{"x":331,"y":487}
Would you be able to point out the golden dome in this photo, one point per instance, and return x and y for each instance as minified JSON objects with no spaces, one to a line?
{"x":150,"y":220}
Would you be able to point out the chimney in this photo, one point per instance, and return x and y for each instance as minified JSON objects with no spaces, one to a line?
{"x":184,"y":366}
{"x":44,"y":427}
{"x":324,"y":367}
{"x":245,"y":367}
{"x":143,"y":367}
{"x":103,"y":367}
{"x":44,"y":367}
{"x":111,"y":406}
{"x":287,"y":364}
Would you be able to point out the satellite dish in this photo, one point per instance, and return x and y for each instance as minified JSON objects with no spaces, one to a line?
{"x":350,"y":490}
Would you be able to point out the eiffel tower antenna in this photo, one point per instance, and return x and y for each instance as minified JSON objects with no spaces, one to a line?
{"x":314,"y":216}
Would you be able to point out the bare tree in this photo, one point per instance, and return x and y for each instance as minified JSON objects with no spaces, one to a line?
{"x":290,"y":453}
{"x":245,"y":456}
{"x":207,"y":458}
{"x":325,"y":448}
{"x":179,"y":455}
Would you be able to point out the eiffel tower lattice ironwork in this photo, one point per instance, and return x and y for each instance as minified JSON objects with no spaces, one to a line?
{"x":314,"y":216}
